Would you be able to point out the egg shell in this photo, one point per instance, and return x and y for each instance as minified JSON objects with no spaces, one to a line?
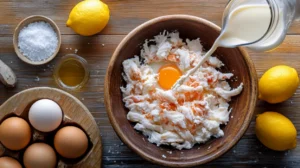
{"x":15,"y":133}
{"x":45,"y":115}
{"x":70,"y":142}
{"x":8,"y":162}
{"x":40,"y":155}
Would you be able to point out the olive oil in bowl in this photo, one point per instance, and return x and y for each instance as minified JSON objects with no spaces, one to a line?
{"x":71,"y":72}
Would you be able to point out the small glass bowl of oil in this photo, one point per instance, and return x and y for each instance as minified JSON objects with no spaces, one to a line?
{"x":71,"y":72}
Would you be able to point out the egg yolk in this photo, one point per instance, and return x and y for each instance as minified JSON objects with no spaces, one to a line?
{"x":168,"y":75}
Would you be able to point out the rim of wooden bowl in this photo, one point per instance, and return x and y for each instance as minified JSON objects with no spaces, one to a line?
{"x":117,"y":128}
{"x":25,"y":22}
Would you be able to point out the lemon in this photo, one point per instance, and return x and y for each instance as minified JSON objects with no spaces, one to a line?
{"x":276,"y":131}
{"x":278,"y":84}
{"x":89,"y":17}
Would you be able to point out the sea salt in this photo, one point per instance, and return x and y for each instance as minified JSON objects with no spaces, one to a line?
{"x":37,"y":79}
{"x":37,"y":41}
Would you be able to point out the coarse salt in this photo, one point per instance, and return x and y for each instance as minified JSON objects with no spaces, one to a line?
{"x":37,"y":41}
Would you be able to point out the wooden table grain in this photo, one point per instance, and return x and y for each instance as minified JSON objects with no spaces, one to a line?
{"x":97,"y":50}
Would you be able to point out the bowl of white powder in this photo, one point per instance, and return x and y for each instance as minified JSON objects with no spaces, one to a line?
{"x":37,"y":40}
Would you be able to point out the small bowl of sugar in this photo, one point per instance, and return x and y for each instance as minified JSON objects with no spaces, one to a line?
{"x":37,"y":40}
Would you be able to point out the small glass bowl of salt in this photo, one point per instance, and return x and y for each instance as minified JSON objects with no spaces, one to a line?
{"x":37,"y":40}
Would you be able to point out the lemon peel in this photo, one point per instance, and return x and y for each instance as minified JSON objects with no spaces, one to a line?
{"x":276,"y":131}
{"x":89,"y":17}
{"x":278,"y":84}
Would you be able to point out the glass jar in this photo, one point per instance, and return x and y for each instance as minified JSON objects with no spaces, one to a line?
{"x":283,"y":13}
{"x":71,"y":72}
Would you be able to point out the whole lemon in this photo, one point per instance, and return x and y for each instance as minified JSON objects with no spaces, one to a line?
{"x":278,"y":84}
{"x":276,"y":131}
{"x":89,"y":17}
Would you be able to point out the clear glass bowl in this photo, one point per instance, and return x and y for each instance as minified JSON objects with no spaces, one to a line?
{"x":65,"y":59}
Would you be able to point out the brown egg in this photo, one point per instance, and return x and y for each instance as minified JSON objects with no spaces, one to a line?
{"x":70,"y":142}
{"x":15,"y":133}
{"x":39,"y":155}
{"x":8,"y":162}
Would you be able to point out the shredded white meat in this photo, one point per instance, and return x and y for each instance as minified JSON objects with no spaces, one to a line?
{"x":183,"y":117}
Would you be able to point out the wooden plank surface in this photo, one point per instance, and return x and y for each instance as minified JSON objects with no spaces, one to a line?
{"x":126,"y":15}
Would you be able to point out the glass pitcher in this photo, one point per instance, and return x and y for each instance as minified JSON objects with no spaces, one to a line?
{"x":283,"y":13}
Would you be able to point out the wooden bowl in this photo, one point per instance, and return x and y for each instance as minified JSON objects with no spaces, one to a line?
{"x":23,"y":24}
{"x":236,"y":60}
{"x":75,"y":114}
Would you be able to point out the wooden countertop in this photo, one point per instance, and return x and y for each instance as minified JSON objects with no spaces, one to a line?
{"x":97,"y":50}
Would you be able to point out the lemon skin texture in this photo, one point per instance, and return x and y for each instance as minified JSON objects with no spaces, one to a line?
{"x":276,"y":131}
{"x":89,"y":17}
{"x":278,"y":84}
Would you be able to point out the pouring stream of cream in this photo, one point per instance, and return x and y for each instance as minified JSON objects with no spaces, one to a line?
{"x":242,"y":27}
